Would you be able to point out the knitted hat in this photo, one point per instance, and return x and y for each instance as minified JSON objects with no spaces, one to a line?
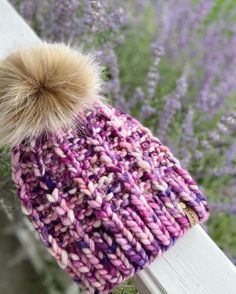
{"x":104,"y":194}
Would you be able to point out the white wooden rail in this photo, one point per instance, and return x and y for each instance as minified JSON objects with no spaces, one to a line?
{"x":194,"y":265}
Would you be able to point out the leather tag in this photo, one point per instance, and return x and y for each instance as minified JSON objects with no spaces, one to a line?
{"x":190,"y":213}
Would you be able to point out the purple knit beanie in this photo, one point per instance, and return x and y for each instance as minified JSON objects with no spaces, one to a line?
{"x":105,"y":196}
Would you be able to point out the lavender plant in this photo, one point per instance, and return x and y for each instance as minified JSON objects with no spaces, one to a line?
{"x":172,"y":64}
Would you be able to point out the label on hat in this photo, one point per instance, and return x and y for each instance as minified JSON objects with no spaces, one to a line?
{"x":190,"y":213}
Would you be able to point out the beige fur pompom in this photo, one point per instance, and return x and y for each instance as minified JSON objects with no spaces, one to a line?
{"x":43,"y":88}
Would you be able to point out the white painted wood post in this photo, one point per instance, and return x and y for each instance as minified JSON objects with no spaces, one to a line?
{"x":14,"y":32}
{"x":194,"y":265}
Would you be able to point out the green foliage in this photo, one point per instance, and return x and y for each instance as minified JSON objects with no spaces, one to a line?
{"x":126,"y":288}
{"x":134,"y":54}
{"x":223,"y":231}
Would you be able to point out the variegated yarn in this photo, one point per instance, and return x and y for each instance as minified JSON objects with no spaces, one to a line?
{"x":104,"y":197}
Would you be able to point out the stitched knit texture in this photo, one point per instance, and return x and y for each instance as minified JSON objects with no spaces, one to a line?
{"x":104,"y":197}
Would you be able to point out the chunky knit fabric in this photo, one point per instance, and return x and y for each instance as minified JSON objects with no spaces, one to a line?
{"x":106,"y":198}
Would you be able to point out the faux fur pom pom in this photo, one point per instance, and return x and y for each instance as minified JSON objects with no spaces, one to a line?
{"x":43,"y":88}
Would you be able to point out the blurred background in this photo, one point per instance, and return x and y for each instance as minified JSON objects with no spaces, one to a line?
{"x":172,"y":65}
